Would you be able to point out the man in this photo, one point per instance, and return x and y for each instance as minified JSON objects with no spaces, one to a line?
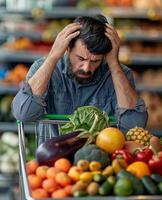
{"x":82,"y":68}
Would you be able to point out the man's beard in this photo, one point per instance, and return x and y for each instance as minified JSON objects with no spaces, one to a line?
{"x":75,"y":75}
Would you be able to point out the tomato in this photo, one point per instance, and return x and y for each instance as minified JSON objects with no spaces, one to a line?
{"x":110,"y":139}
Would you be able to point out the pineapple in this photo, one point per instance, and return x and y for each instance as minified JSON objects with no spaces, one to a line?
{"x":139,"y":135}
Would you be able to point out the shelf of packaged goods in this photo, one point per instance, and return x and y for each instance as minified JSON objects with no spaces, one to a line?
{"x":34,"y":36}
{"x":141,"y":37}
{"x":141,"y":59}
{"x":8,"y":89}
{"x":12,"y":126}
{"x":21,"y":56}
{"x":55,"y":13}
{"x":144,"y":88}
{"x":130,"y":12}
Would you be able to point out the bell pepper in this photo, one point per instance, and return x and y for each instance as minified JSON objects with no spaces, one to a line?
{"x":155,"y":163}
{"x":124,"y":154}
{"x":143,"y":155}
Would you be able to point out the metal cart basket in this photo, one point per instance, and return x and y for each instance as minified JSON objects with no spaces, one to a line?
{"x":49,"y":120}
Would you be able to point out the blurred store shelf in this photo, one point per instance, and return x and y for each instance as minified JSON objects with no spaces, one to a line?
{"x":35,"y":36}
{"x":142,"y":37}
{"x":143,"y":88}
{"x":15,"y":56}
{"x":130,"y":12}
{"x":11,"y":126}
{"x":141,"y":59}
{"x":55,"y":13}
{"x":8,"y":89}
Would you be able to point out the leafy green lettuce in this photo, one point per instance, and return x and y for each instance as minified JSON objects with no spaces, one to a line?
{"x":86,"y":118}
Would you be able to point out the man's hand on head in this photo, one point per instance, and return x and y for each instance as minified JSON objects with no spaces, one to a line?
{"x":63,"y":38}
{"x":112,"y":57}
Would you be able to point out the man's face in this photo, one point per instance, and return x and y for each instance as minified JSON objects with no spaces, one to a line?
{"x":83,"y":64}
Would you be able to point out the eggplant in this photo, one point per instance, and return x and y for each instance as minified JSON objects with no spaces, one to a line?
{"x":62,"y":146}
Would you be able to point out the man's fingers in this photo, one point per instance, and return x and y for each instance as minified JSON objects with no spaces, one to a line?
{"x":72,"y":35}
{"x":72,"y":27}
{"x":112,"y":37}
{"x":72,"y":30}
{"x":110,"y":27}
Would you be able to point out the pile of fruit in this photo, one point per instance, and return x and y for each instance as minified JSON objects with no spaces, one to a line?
{"x":109,"y":166}
{"x":16,"y":75}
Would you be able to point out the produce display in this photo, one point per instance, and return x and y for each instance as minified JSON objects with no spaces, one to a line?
{"x":108,"y":165}
{"x":9,"y":158}
{"x":16,"y":75}
{"x":9,"y":152}
{"x":5,"y":108}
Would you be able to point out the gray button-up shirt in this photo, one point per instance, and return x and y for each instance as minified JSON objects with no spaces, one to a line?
{"x":64,"y":95}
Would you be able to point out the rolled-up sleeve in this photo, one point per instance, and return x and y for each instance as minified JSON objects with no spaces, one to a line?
{"x":129,"y":118}
{"x":26,"y":106}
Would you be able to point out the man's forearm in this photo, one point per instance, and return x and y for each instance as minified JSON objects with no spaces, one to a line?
{"x":126,"y":94}
{"x":39,"y":81}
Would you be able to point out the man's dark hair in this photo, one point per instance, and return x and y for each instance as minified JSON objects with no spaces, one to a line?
{"x":92,"y":34}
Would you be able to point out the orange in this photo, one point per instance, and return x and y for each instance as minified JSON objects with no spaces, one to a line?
{"x":139,"y":169}
{"x":51,"y":172}
{"x":39,"y":193}
{"x":34,"y":181}
{"x":63,"y":164}
{"x":61,"y":193}
{"x":41,"y":171}
{"x":50,"y":185}
{"x":31,"y":166}
{"x":68,"y":189}
{"x":110,"y":139}
{"x":63,"y":179}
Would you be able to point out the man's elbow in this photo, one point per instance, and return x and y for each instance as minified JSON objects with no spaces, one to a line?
{"x":25,"y":115}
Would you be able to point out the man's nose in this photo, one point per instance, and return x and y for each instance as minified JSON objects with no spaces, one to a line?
{"x":86,"y":67}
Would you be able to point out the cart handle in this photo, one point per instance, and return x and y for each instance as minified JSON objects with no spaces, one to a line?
{"x":66,"y":117}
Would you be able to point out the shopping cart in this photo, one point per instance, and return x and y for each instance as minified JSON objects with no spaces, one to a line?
{"x":49,"y":120}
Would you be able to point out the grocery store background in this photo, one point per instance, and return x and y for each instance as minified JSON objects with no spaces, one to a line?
{"x":27,"y":31}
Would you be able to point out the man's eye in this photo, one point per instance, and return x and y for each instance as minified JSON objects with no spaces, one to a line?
{"x":81,"y":59}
